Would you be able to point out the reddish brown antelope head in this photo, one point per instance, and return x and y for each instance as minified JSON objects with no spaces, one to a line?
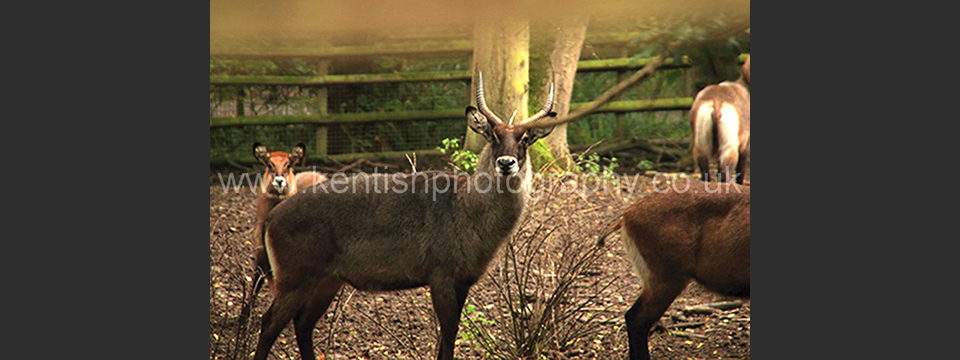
{"x":278,"y":180}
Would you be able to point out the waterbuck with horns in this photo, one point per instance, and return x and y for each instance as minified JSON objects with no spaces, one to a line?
{"x":720,"y":121}
{"x":385,"y":232}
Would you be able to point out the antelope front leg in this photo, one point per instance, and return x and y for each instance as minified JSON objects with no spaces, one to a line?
{"x":448,"y":298}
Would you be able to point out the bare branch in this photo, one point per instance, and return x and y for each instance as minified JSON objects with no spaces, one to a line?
{"x":607,"y":95}
{"x":736,"y":27}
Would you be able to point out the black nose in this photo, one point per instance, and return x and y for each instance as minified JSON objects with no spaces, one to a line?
{"x":506,"y":162}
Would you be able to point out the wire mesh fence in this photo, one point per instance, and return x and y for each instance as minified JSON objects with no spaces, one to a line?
{"x":374,"y":99}
{"x":663,"y":124}
{"x":371,"y":99}
{"x":236,"y":142}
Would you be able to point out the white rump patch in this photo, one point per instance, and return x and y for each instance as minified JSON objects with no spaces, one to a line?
{"x":704,"y":120}
{"x":633,"y":255}
{"x":268,"y":246}
{"x":728,"y":129}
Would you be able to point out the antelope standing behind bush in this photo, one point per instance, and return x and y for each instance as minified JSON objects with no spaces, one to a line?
{"x":702,"y":233}
{"x":720,"y":121}
{"x":390,"y":232}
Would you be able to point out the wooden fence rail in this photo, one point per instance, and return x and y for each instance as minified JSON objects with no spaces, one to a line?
{"x":677,"y":103}
{"x":454,"y":46}
{"x":455,"y":75}
{"x":242,"y":51}
{"x":620,"y":64}
{"x":342,"y":158}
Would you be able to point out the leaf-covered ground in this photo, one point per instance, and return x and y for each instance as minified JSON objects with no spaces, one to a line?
{"x":401,"y":325}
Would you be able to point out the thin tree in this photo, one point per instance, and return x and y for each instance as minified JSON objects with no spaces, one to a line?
{"x":555,"y":52}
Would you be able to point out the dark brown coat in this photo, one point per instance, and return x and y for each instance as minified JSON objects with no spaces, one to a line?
{"x":702,"y":233}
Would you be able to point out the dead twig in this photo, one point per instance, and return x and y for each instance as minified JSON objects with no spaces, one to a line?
{"x":687,"y":334}
{"x":338,"y":315}
{"x":712,"y":307}
{"x":725,"y":305}
{"x":608,"y":95}
{"x":403,"y":345}
{"x":687,"y":325}
{"x":360,"y":162}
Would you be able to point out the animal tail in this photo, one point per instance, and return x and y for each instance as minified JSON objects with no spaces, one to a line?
{"x":717,"y":107}
{"x":601,"y":241}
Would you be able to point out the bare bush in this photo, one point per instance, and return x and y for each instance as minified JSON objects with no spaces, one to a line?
{"x":547,"y":284}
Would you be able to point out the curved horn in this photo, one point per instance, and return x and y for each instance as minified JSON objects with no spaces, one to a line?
{"x":546,"y":108}
{"x":481,"y":103}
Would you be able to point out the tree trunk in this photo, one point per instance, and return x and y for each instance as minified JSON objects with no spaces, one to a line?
{"x":501,"y":52}
{"x":555,"y":51}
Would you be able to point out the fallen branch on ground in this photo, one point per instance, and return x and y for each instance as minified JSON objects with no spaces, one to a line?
{"x":686,"y":325}
{"x":712,"y":307}
{"x":687,"y":334}
{"x":635,"y":142}
{"x":352,"y":166}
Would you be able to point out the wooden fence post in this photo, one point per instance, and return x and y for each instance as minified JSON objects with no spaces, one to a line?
{"x":240,"y":101}
{"x":621,"y":128}
{"x":323,"y":68}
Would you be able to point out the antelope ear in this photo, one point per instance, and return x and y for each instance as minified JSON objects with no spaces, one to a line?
{"x":540,"y":133}
{"x":479,"y":124}
{"x":260,"y":153}
{"x":746,"y":70}
{"x":298,"y":154}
